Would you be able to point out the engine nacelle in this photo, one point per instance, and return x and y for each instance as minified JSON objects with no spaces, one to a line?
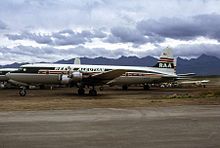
{"x":65,"y":79}
{"x":2,"y":85}
{"x":76,"y":76}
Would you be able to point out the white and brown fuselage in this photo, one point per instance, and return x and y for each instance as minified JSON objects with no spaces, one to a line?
{"x":60,"y":73}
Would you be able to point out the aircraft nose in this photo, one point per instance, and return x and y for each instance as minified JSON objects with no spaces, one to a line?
{"x":8,"y":75}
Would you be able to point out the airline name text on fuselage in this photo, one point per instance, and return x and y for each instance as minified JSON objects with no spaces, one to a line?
{"x":92,"y":69}
{"x":81,"y":69}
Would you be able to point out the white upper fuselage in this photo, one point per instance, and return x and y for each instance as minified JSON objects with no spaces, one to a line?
{"x":103,"y":68}
{"x":8,"y":69}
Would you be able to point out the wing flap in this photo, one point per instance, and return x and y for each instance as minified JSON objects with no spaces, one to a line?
{"x":112,"y":74}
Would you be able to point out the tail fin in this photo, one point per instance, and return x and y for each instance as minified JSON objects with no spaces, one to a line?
{"x":166,"y":59}
{"x":77,"y":61}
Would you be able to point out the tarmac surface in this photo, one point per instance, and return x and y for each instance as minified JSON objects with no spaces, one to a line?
{"x":154,"y":127}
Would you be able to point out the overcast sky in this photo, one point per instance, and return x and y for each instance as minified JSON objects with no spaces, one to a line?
{"x":50,"y":30}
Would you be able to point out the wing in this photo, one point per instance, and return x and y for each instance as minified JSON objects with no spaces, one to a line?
{"x":105,"y":76}
{"x":112,"y":74}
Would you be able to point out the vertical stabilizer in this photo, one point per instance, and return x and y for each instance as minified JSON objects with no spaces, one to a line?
{"x":77,"y":61}
{"x":166,"y":59}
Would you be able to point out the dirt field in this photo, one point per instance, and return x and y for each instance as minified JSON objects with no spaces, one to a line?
{"x":66,"y":98}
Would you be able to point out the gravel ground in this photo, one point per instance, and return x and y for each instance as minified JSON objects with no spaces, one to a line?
{"x":66,"y":98}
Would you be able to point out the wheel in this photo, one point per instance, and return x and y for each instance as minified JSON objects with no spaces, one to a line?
{"x":124,"y":87}
{"x":101,"y":88}
{"x":146,"y":87}
{"x":92,"y":92}
{"x":81,"y":91}
{"x":22,"y":92}
{"x":42,"y":86}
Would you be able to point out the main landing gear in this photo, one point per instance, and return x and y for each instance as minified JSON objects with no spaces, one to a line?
{"x":81,"y":91}
{"x":92,"y":92}
{"x":146,"y":87}
{"x":22,"y":92}
{"x":124,"y":87}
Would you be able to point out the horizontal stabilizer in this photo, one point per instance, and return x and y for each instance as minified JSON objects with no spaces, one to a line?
{"x":186,"y":74}
{"x":195,"y":82}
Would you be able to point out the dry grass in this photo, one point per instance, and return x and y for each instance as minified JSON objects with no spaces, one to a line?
{"x":64,"y":98}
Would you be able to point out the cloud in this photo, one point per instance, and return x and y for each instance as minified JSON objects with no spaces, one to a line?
{"x":60,"y":14}
{"x":185,"y":29}
{"x":69,"y":37}
{"x":98,"y":52}
{"x":25,"y":54}
{"x":61,"y":38}
{"x":134,"y":36}
{"x":189,"y":51}
{"x":126,"y":22}
{"x":209,"y":24}
{"x":123,"y":35}
{"x":31,"y":52}
{"x":41,"y":39}
{"x":50,"y":54}
{"x":155,"y":31}
{"x":2,"y":25}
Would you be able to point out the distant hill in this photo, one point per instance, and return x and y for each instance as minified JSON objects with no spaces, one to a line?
{"x":203,"y":65}
{"x":13,"y":65}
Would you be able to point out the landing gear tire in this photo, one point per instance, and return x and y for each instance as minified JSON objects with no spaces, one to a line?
{"x":81,"y":91}
{"x":92,"y":92}
{"x":124,"y":87}
{"x":101,"y":88}
{"x":22,"y":92}
{"x":146,"y":87}
{"x":42,"y":87}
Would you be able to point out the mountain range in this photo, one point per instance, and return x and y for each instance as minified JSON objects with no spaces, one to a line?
{"x":203,"y":65}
